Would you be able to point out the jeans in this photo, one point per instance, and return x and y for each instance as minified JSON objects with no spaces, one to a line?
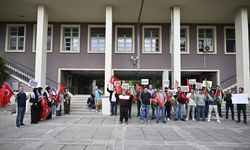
{"x":201,"y":112}
{"x":168,"y":110}
{"x":206,"y":110}
{"x":219,"y":109}
{"x":53,"y":109}
{"x":193,"y":111}
{"x":138,"y":107}
{"x":20,"y":115}
{"x":123,"y":113}
{"x":211,"y":107}
{"x":113,"y":108}
{"x":160,"y":113}
{"x":178,"y":111}
{"x":145,"y":112}
{"x":91,"y":106}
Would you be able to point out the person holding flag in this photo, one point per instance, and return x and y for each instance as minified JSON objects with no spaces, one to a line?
{"x":139,"y":90}
{"x":182,"y":99}
{"x":21,"y":99}
{"x":160,"y":97}
{"x":46,"y":94}
{"x":152,"y":91}
{"x":191,"y":104}
{"x":124,"y":100}
{"x":113,"y":98}
{"x":212,"y":105}
{"x":145,"y":105}
{"x":219,"y":96}
{"x":168,"y":105}
{"x":201,"y":105}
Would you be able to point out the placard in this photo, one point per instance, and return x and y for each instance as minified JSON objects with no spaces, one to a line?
{"x":184,"y":88}
{"x":144,"y":81}
{"x":33,"y":83}
{"x":192,"y":81}
{"x":111,"y":87}
{"x":165,"y":83}
{"x":172,"y":91}
{"x":240,"y":98}
{"x":125,"y":86}
{"x":204,"y":84}
{"x":198,"y":85}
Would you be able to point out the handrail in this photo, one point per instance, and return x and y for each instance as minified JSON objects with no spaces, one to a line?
{"x":229,"y":78}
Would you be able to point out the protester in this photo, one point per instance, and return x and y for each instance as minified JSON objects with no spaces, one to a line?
{"x":151,"y":91}
{"x":219,"y":95}
{"x":98,"y":96}
{"x":34,"y":107}
{"x":124,"y":101}
{"x":91,"y":102}
{"x":179,"y":109}
{"x":145,"y":105}
{"x":229,"y":104}
{"x":161,"y":106}
{"x":66,"y":103}
{"x":201,"y":105}
{"x":54,"y":102}
{"x":138,"y":102}
{"x":46,"y":94}
{"x":168,"y":105}
{"x":241,"y":107}
{"x":21,"y":99}
{"x":191,"y":104}
{"x":40,"y":96}
{"x":113,"y":98}
{"x":212,"y":105}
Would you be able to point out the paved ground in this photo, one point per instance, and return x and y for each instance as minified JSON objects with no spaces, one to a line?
{"x":104,"y":132}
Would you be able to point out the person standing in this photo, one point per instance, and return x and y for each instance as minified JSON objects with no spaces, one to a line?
{"x":113,"y":98}
{"x":219,"y":95}
{"x":180,"y":108}
{"x":161,"y":106}
{"x":168,"y":104}
{"x":229,"y":104}
{"x":40,"y":96}
{"x":212,"y":105}
{"x":21,"y":99}
{"x":152,"y":91}
{"x":98,"y":97}
{"x":124,"y":102}
{"x":145,"y":105}
{"x":91,"y":102}
{"x":66,"y":103}
{"x":241,"y":107}
{"x":46,"y":94}
{"x":34,"y":108}
{"x":191,"y":104}
{"x":201,"y":105}
{"x":138,"y":102}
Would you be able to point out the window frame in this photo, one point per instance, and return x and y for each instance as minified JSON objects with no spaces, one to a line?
{"x":225,"y":40}
{"x":160,"y":38}
{"x":7,"y":38}
{"x":34,"y":38}
{"x":214,"y":38}
{"x":133,"y":38}
{"x":62,"y":50}
{"x":89,"y":37}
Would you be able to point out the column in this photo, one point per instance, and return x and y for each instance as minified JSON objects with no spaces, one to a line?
{"x":164,"y":79}
{"x":175,"y":45}
{"x":41,"y":46}
{"x":108,"y":59}
{"x":242,"y":49}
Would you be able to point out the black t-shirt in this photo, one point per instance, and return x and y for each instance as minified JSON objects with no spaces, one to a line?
{"x":21,"y":99}
{"x":145,"y":98}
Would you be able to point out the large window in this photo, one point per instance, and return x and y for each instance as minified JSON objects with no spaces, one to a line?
{"x":15,"y":38}
{"x":70,"y":38}
{"x":151,"y":39}
{"x":229,"y":40}
{"x":184,"y":45}
{"x":96,"y":39}
{"x":124,"y":36}
{"x":49,"y":38}
{"x":206,"y":40}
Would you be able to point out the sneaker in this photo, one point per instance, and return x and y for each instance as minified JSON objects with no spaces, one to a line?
{"x":148,"y":121}
{"x":17,"y":126}
{"x":193,"y":119}
{"x":218,"y":121}
{"x":126,"y":122}
{"x":22,"y":125}
{"x":208,"y":120}
{"x":186,"y":119}
{"x":142,"y":121}
{"x":120,"y":122}
{"x":183,"y":119}
{"x":175,"y":119}
{"x":168,"y":119}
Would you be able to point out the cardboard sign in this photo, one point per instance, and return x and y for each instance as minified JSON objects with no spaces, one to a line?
{"x":111,"y":87}
{"x":198,"y":85}
{"x":125,"y":86}
{"x":172,"y":91}
{"x":192,"y":81}
{"x":240,"y":98}
{"x":165,"y":83}
{"x":184,"y":88}
{"x":144,"y":81}
{"x":33,"y":83}
{"x":204,"y":84}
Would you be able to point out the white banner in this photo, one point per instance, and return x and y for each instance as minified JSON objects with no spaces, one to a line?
{"x":144,"y":81}
{"x":125,"y":86}
{"x":166,"y":83}
{"x":184,"y":88}
{"x":192,"y":81}
{"x":198,"y":85}
{"x":204,"y":84}
{"x":240,"y":98}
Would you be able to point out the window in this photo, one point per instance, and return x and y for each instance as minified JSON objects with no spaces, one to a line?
{"x":151,"y":39}
{"x":184,"y":45}
{"x":229,"y":40}
{"x":96,"y":39}
{"x":70,"y":38}
{"x":124,"y":39}
{"x":49,"y":38}
{"x":15,"y":38}
{"x":206,"y":40}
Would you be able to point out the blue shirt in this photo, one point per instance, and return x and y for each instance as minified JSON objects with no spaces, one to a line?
{"x":97,"y":94}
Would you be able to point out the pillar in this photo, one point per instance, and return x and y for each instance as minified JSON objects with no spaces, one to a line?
{"x":41,"y":46}
{"x":242,"y":49}
{"x":175,"y":45}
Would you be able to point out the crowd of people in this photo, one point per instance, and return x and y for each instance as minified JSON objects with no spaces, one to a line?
{"x":45,"y":104}
{"x":165,"y":105}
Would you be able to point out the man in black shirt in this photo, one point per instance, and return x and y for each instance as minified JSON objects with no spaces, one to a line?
{"x":21,"y":106}
{"x":145,"y":105}
{"x":229,"y":104}
{"x":241,"y":107}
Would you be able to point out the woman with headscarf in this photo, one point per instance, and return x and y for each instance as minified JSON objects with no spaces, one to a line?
{"x":47,"y":94}
{"x":34,"y":107}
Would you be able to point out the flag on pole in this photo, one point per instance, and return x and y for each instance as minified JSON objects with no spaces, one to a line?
{"x":61,"y":90}
{"x":189,"y":85}
{"x":113,"y":79}
{"x":6,"y":93}
{"x":159,"y":100}
{"x":45,"y":109}
{"x":207,"y":86}
{"x":176,"y":84}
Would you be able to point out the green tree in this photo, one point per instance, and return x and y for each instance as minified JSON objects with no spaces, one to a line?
{"x":3,"y":74}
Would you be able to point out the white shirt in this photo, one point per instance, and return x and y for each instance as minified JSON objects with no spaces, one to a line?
{"x":113,"y":98}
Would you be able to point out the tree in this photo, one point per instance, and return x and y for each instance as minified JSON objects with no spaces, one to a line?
{"x":3,"y":74}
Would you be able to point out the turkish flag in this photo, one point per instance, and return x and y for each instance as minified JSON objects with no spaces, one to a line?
{"x":45,"y":109}
{"x":159,"y":101}
{"x":138,"y":88}
{"x":183,"y":97}
{"x":6,"y":93}
{"x":61,"y":88}
{"x":113,"y":79}
{"x":1,"y":96}
{"x":189,"y":85}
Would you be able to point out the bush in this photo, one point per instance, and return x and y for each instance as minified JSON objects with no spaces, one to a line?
{"x":3,"y":74}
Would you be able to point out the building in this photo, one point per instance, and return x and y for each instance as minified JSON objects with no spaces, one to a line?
{"x":79,"y":42}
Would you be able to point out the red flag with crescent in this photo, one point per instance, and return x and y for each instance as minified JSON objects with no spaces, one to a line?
{"x":6,"y":93}
{"x":61,"y":90}
{"x":183,"y":97}
{"x":113,"y":79}
{"x":138,"y":88}
{"x":159,"y":100}
{"x":45,"y":109}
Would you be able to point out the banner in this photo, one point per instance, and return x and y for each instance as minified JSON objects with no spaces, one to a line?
{"x":185,"y":88}
{"x":207,"y":84}
{"x":144,"y":81}
{"x":165,"y":83}
{"x":240,"y":98}
{"x":192,"y":81}
{"x":125,"y":86}
{"x":198,"y":85}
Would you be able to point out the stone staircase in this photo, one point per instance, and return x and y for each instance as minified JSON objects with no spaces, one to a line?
{"x":223,"y":111}
{"x":78,"y":106}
